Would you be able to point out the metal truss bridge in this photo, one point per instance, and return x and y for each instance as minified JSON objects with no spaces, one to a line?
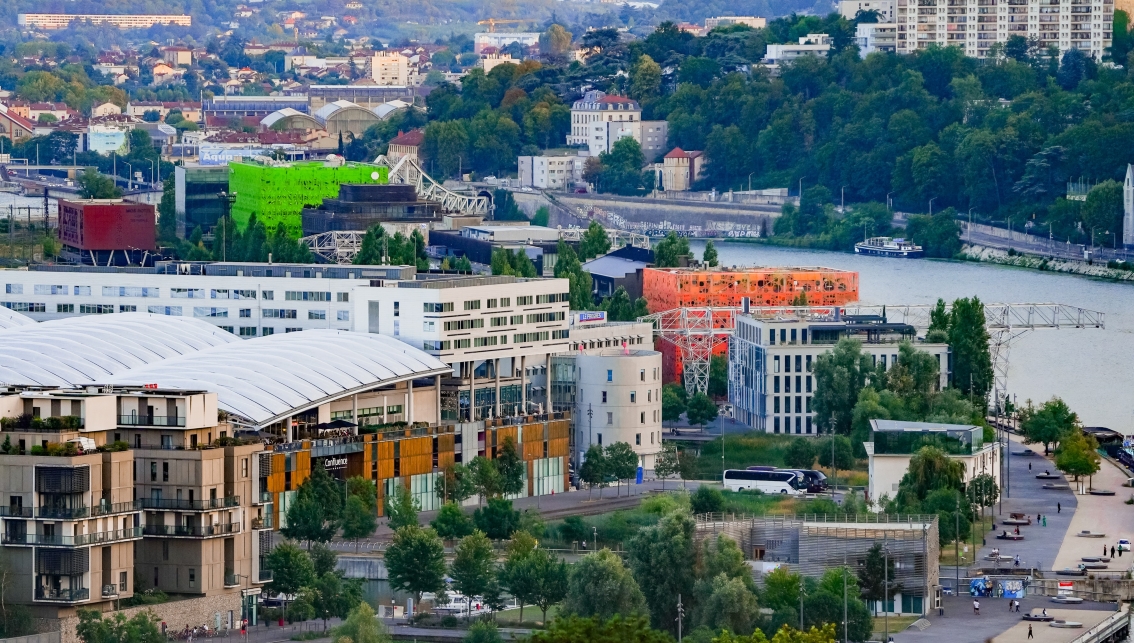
{"x":697,"y":331}
{"x":407,"y":172}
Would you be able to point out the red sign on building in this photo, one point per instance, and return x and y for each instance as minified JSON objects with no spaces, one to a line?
{"x":107,"y":225}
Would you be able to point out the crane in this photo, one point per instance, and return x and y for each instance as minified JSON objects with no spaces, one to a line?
{"x":492,"y":22}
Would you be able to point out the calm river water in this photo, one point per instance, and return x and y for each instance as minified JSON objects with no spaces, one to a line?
{"x":1088,"y":368}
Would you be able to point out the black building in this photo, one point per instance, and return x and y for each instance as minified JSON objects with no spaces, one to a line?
{"x":360,"y":206}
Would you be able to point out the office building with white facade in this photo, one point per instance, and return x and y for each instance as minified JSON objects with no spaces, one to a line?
{"x":975,"y":25}
{"x":772,"y":358}
{"x":552,"y":171}
{"x":874,"y":37}
{"x":813,"y":44}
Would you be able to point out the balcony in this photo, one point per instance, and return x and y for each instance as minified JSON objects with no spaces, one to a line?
{"x":151,"y":420}
{"x":265,"y":576}
{"x":56,"y":540}
{"x":265,"y":497}
{"x":264,"y":522}
{"x":16,"y":512}
{"x":107,"y":509}
{"x":62,"y":513}
{"x":231,"y":580}
{"x":62,"y":595}
{"x":188,"y":531}
{"x":190,"y":505}
{"x":110,"y":591}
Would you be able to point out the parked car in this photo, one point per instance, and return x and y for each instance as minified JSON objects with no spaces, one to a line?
{"x":1066,"y":600}
{"x":1123,"y":544}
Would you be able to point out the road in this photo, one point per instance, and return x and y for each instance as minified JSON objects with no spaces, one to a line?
{"x":1036,"y":244}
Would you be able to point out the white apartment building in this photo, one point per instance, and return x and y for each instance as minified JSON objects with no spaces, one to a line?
{"x":974,"y":25}
{"x":876,"y":37}
{"x":390,"y":68}
{"x":771,"y":360}
{"x":851,"y":8}
{"x":122,"y":21}
{"x":552,"y":172}
{"x":893,"y":443}
{"x":483,"y":40}
{"x":598,"y":120}
{"x":618,"y":399}
{"x":813,"y":44}
{"x":496,"y":332}
{"x":727,"y":21}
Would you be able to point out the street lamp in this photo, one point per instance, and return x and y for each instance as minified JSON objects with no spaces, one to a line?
{"x":889,"y":204}
{"x":843,"y":199}
{"x":152,"y":172}
{"x":750,"y":181}
{"x":801,"y":188}
{"x":129,"y":177}
{"x":931,"y":205}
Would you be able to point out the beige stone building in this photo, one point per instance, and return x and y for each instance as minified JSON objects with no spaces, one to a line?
{"x":390,"y":68}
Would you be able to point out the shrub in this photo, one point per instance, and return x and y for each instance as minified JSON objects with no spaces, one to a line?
{"x":707,"y":500}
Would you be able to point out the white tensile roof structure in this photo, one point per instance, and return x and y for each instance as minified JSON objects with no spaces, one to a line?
{"x":9,"y":319}
{"x":262,"y":380}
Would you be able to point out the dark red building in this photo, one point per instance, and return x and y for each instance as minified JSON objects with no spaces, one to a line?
{"x":107,"y":232}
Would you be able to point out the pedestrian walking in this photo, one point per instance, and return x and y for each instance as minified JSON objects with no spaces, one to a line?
{"x":1030,"y":631}
{"x":976,"y":607}
{"x":1112,"y":551}
{"x":1011,"y":605}
{"x":1029,"y":466}
{"x":1045,"y":521}
{"x":1058,"y":508}
{"x":1017,"y":606}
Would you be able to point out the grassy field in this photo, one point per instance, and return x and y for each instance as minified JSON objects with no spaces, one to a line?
{"x":749,"y":449}
{"x":532,"y":617}
{"x":897,"y":624}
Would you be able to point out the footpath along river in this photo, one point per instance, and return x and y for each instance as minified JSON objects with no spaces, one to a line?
{"x":1091,"y":369}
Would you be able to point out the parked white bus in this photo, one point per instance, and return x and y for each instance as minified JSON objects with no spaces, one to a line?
{"x":783,"y":482}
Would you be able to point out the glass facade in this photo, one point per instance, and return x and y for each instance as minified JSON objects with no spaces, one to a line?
{"x":966,"y":441}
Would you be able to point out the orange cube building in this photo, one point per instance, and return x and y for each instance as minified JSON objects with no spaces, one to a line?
{"x":669,"y":288}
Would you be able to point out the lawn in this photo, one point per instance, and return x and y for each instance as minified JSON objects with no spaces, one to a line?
{"x":742,"y":450}
{"x":532,"y":616}
{"x":897,"y":624}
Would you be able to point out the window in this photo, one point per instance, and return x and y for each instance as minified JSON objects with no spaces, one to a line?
{"x":798,"y":363}
{"x":247,"y":331}
{"x":446,"y":307}
{"x":226,"y":328}
{"x":397,"y":309}
{"x":649,"y":395}
{"x":609,"y":375}
{"x":776,"y":404}
{"x":82,"y":291}
{"x":99,"y":309}
{"x":122,"y":580}
{"x":45,"y":289}
{"x":808,"y":363}
{"x":499,"y":321}
{"x":64,"y":308}
{"x":165,"y":310}
{"x":343,"y":297}
{"x":776,"y":384}
{"x":560,"y":334}
{"x":153,"y":472}
{"x":306,"y":295}
{"x":633,"y":397}
{"x":485,"y":341}
{"x":26,"y":307}
{"x":268,"y":295}
{"x":808,"y":383}
{"x":505,"y":301}
{"x":14,"y":289}
{"x":609,"y":419}
{"x":278,"y":313}
{"x":777,"y":424}
{"x":165,"y":472}
{"x":638,"y":439}
{"x":787,"y":363}
{"x":604,"y":397}
{"x":128,"y":309}
{"x":244,"y":467}
{"x":245,"y":312}
{"x":436,"y":346}
{"x":428,"y":326}
{"x":342,"y":315}
{"x":643,"y":417}
{"x":642,"y":375}
{"x":462,"y":343}
{"x":244,"y":294}
{"x":292,"y":330}
{"x":217,"y":293}
{"x":181,"y":293}
{"x":517,"y":319}
{"x":524,"y":301}
{"x":491,"y":303}
{"x":464,"y":324}
{"x":520,"y":338}
{"x":540,"y":318}
{"x":316,"y":314}
{"x":799,"y":404}
{"x":473,"y":304}
{"x":776,"y":364}
{"x":202,"y":311}
{"x":264,"y":332}
{"x":192,"y":577}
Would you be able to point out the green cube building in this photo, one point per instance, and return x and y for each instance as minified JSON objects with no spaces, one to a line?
{"x":277,"y":193}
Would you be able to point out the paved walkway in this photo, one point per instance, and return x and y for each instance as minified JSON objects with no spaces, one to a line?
{"x":1105,"y":514}
{"x":960,"y":625}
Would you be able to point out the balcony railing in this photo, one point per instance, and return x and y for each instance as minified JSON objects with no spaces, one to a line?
{"x":115,"y":508}
{"x":265,"y":576}
{"x":62,"y":513}
{"x":56,"y":540}
{"x":109,"y":591}
{"x":265,"y":497}
{"x":16,"y":512}
{"x":62,"y":595}
{"x":151,"y":420}
{"x":231,"y":580}
{"x":262,"y":522}
{"x":190,"y":505}
{"x":187,"y":531}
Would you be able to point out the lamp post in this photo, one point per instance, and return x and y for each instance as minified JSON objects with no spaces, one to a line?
{"x":843,"y":199}
{"x":750,"y":181}
{"x":885,"y":590}
{"x":801,"y":188}
{"x":931,"y":205}
{"x":889,"y":204}
{"x":130,"y":176}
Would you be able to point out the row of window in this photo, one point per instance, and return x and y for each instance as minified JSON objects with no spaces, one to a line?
{"x":802,"y":404}
{"x":800,"y":363}
{"x":177,"y":293}
{"x":540,"y":318}
{"x":176,"y":311}
{"x":800,"y":425}
{"x":491,"y":340}
{"x":650,"y":395}
{"x":800,"y":382}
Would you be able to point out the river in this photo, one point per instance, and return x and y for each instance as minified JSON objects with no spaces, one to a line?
{"x":1085,"y":367}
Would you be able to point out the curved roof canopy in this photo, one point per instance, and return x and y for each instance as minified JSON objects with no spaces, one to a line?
{"x":10,"y":318}
{"x":342,"y":109}
{"x":293,"y":119}
{"x":263,"y":379}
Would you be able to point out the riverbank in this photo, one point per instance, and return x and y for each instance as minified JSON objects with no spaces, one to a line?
{"x":985,"y":254}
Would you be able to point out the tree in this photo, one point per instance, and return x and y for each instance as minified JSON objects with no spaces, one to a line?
{"x":1103,"y":210}
{"x":707,"y":500}
{"x":359,"y":520}
{"x":455,"y":483}
{"x":669,"y":251}
{"x":800,"y":454}
{"x":666,"y":463}
{"x":594,"y":468}
{"x":982,"y":490}
{"x":292,"y":569}
{"x":323,"y":559}
{"x":497,"y":519}
{"x":551,"y":580}
{"x":556,"y":41}
{"x":969,"y":344}
{"x":844,"y":453}
{"x":333,"y":597}
{"x":511,"y":467}
{"x":660,"y":557}
{"x":451,"y":523}
{"x":726,"y":603}
{"x":599,"y":585}
{"x":506,"y":262}
{"x":1049,"y":425}
{"x":568,"y":267}
{"x":623,"y":629}
{"x":710,"y":255}
{"x":620,"y":169}
{"x":140,"y":628}
{"x":472,"y":566}
{"x":718,"y":376}
{"x":931,"y":468}
{"x":781,"y":589}
{"x":873,"y":576}
{"x":15,"y":620}
{"x":621,"y":461}
{"x":93,"y":185}
{"x":361,"y":626}
{"x":840,"y":376}
{"x":167,"y":211}
{"x":1078,"y":455}
{"x":519,"y":575}
{"x":618,"y":306}
{"x":645,"y":79}
{"x":486,"y":477}
{"x":364,"y":489}
{"x":594,"y":242}
{"x":401,"y":508}
{"x":673,"y":402}
{"x":701,"y":410}
{"x":415,"y":561}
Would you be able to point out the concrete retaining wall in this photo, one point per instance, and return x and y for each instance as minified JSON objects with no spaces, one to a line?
{"x":175,"y":614}
{"x":366,"y":567}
